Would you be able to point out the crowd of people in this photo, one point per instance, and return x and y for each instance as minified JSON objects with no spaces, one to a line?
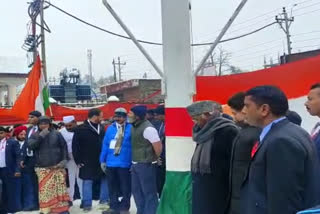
{"x":46,"y":166}
{"x":259,"y":161}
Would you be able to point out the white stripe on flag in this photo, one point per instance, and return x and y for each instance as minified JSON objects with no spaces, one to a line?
{"x":179,"y":152}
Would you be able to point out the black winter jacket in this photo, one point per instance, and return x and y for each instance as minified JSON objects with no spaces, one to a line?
{"x":210,"y":192}
{"x":240,"y":162}
{"x":86,"y":149}
{"x":49,"y":150}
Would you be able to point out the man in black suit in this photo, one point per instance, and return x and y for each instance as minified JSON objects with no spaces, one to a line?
{"x":283,"y":175}
{"x":29,"y":177}
{"x":241,"y":151}
{"x":86,"y":149}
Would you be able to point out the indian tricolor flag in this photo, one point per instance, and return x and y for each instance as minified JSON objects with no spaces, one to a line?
{"x":295,"y":79}
{"x":34,"y":95}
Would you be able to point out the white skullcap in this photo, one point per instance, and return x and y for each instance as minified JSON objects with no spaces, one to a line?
{"x":68,"y":119}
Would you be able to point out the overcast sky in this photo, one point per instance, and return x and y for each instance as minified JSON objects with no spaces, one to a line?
{"x":68,"y":43}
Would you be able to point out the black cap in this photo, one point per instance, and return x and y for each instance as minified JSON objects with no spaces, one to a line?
{"x":35,"y":113}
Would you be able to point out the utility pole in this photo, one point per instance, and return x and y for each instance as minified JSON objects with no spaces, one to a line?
{"x":119,"y":64}
{"x":90,"y":66}
{"x":43,"y":43}
{"x":284,"y":18}
{"x":114,"y":71}
{"x":34,"y":36}
{"x":119,"y":68}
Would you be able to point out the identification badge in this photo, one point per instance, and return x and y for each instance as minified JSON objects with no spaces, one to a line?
{"x":113,"y":144}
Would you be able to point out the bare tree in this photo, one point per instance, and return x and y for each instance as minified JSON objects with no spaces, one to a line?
{"x":105,"y":80}
{"x":222,"y":60}
{"x":235,"y":70}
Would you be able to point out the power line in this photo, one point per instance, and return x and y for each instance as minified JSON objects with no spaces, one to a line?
{"x":309,"y":46}
{"x":260,"y":44}
{"x":99,"y":28}
{"x":238,"y":37}
{"x":248,"y":20}
{"x":301,"y":34}
{"x":309,"y":12}
{"x":302,"y":2}
{"x":301,"y":8}
{"x":239,"y":56}
{"x":253,"y":58}
{"x":257,"y":17}
{"x":148,"y":42}
{"x":307,"y":40}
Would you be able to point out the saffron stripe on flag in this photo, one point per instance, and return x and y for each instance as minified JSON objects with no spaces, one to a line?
{"x":294,"y":79}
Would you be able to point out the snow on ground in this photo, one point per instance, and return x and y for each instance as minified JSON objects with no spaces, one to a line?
{"x":75,"y":209}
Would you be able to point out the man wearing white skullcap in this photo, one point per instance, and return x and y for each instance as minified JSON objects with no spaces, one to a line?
{"x":73,"y":170}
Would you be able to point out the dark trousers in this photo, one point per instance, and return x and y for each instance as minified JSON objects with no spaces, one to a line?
{"x":119,"y":181}
{"x":14,"y":194}
{"x":161,"y":178}
{"x":3,"y":199}
{"x":11,"y":195}
{"x":29,"y":191}
{"x":144,"y":187}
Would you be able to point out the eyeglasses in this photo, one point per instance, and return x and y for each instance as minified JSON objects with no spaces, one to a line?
{"x":196,"y":118}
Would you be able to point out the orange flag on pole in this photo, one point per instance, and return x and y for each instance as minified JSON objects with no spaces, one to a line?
{"x":32,"y":95}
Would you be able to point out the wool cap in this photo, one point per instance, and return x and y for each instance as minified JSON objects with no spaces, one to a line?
{"x":160,"y":110}
{"x":45,"y":120}
{"x":201,"y":107}
{"x":139,"y":110}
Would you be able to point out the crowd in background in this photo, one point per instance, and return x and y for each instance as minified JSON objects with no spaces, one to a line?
{"x":46,"y":166}
{"x":256,"y":161}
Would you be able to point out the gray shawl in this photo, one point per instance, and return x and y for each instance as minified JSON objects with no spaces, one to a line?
{"x":204,"y":137}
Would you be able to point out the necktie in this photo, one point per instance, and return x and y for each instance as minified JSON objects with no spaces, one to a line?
{"x":254,"y":149}
{"x":33,"y":130}
{"x":315,"y":131}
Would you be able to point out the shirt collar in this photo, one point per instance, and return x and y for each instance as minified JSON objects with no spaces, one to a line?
{"x":266,"y":129}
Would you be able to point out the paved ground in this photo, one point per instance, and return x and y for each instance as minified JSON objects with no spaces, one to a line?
{"x":76,"y":209}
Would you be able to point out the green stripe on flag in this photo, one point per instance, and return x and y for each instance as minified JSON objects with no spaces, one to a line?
{"x":176,"y":195}
{"x":45,"y":95}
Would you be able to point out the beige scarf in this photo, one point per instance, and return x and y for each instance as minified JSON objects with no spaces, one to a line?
{"x":119,"y":139}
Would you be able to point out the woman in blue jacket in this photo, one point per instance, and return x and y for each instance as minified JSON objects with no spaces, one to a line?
{"x":116,"y":160}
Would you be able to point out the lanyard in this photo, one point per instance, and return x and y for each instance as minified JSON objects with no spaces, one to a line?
{"x":3,"y":144}
{"x":161,"y":128}
{"x":94,"y":128}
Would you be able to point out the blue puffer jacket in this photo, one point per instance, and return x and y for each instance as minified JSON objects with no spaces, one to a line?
{"x":124,"y":159}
